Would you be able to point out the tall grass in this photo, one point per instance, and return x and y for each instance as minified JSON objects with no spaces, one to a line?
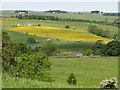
{"x":11,"y":82}
{"x":89,"y":73}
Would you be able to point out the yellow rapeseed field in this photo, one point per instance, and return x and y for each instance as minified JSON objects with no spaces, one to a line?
{"x":60,"y":33}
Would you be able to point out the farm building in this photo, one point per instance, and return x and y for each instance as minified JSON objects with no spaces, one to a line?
{"x":23,"y":25}
{"x":75,"y":53}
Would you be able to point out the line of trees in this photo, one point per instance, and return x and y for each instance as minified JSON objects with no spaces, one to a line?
{"x":17,"y":11}
{"x":110,"y":14}
{"x":36,"y":17}
{"x":63,"y":19}
{"x":110,"y":49}
{"x":56,"y":11}
{"x":97,"y":31}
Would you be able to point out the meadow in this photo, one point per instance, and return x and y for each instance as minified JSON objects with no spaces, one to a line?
{"x":18,"y":37}
{"x":8,"y":23}
{"x":84,"y":16}
{"x":60,"y":33}
{"x":88,"y":71}
{"x":63,"y":45}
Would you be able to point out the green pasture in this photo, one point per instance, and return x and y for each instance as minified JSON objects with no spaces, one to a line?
{"x":84,"y":16}
{"x":7,"y":23}
{"x":88,"y":71}
{"x":62,"y":45}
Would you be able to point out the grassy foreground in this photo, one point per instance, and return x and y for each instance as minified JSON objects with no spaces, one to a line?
{"x":88,"y":71}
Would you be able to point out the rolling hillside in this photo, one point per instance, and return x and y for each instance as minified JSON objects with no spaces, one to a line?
{"x":84,"y":16}
{"x":59,"y":33}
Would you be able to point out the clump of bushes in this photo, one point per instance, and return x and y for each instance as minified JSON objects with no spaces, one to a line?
{"x":99,"y":32}
{"x":88,"y":52}
{"x":39,"y":25}
{"x":26,"y":33}
{"x":31,"y":40}
{"x":72,"y":79}
{"x":109,"y":83}
{"x":18,"y":60}
{"x":49,"y":48}
{"x":67,"y":26}
{"x":111,"y":49}
{"x":35,"y":66}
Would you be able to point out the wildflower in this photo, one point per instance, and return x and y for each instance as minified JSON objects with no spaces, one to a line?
{"x":60,"y":33}
{"x":109,"y":83}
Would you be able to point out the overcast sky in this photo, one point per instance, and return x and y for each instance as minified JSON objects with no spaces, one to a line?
{"x":68,"y":5}
{"x":59,"y":0}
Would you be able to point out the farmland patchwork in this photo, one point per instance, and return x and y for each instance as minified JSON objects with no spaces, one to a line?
{"x":60,"y":33}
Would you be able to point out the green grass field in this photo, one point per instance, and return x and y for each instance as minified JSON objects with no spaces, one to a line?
{"x":85,"y":16}
{"x":20,"y":38}
{"x":7,"y":23}
{"x":88,"y":71}
{"x":62,"y":45}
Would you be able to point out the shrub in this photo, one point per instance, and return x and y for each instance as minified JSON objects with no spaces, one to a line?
{"x":34,"y":66}
{"x":31,"y":40}
{"x":97,"y":31}
{"x":111,"y":49}
{"x":49,"y":48}
{"x":26,"y":33}
{"x":99,"y":44}
{"x":72,"y":79}
{"x":109,"y":83}
{"x":17,"y":62}
{"x":88,"y":52}
{"x":39,"y":25}
{"x":115,"y":36}
{"x":14,"y":26}
{"x":67,"y":26}
{"x":9,"y":53}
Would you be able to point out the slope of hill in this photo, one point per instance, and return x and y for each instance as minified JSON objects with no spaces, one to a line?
{"x":84,"y":16}
{"x":60,"y":33}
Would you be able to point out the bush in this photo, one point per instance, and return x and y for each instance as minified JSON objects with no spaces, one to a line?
{"x":109,"y":83}
{"x":97,"y":31}
{"x":72,"y":79}
{"x":49,"y":48}
{"x":34,"y":66}
{"x":26,"y":33}
{"x":99,"y":44}
{"x":17,"y":62}
{"x":31,"y":40}
{"x":111,"y":49}
{"x":88,"y":52}
{"x":67,"y":26}
{"x":9,"y":53}
{"x":39,"y":25}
